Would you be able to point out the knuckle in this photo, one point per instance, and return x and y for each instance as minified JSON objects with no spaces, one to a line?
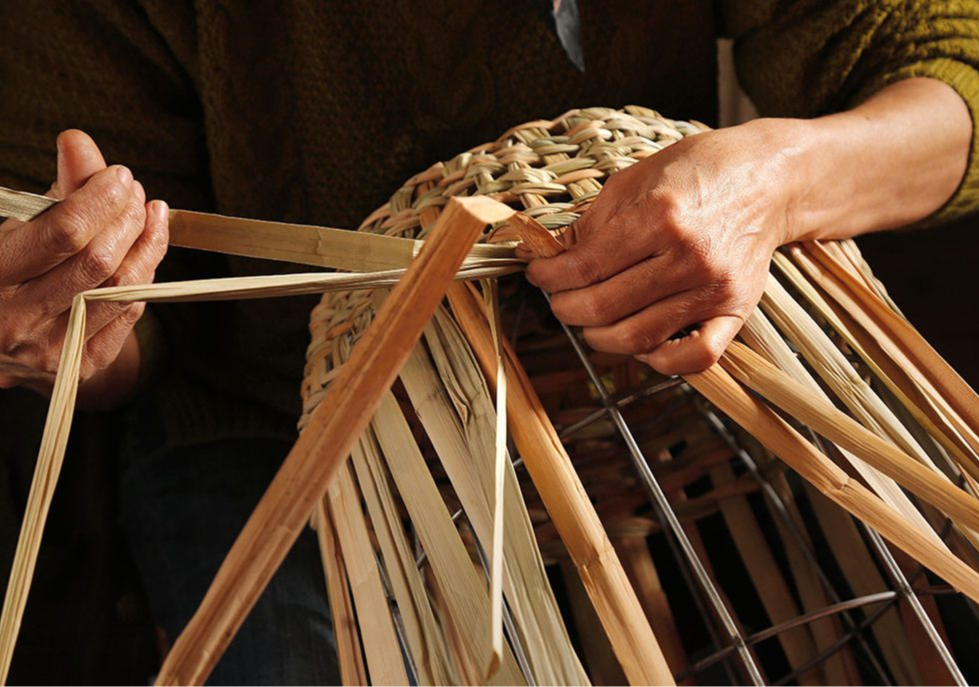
{"x":97,"y":265}
{"x":705,"y":354}
{"x":132,"y":313}
{"x":68,"y":233}
{"x":133,"y":219}
{"x":596,"y":309}
{"x":114,"y":193}
{"x":667,"y":205}
{"x":583,"y":268}
{"x":637,"y":339}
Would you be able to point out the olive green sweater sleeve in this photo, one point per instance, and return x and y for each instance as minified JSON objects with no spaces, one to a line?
{"x":803,"y":58}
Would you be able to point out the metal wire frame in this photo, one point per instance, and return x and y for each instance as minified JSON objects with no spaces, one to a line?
{"x":670,"y":524}
{"x":710,"y":605}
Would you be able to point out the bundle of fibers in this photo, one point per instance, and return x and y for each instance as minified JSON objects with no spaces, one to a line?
{"x":610,"y":518}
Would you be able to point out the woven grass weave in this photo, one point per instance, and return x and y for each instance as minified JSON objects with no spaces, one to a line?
{"x":551,"y":171}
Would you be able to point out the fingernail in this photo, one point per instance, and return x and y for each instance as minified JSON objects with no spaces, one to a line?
{"x":160,"y":211}
{"x":124,"y":175}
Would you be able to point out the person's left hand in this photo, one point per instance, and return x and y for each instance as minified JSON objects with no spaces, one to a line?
{"x":674,"y":253}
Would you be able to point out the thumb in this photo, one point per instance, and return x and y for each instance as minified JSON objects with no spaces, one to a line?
{"x":696,"y":351}
{"x":78,"y":159}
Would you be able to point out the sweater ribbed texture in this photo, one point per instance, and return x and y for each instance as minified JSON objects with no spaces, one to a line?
{"x":314,"y":111}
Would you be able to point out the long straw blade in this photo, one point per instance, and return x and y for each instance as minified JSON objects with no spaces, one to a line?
{"x":325,"y":444}
{"x":295,"y":243}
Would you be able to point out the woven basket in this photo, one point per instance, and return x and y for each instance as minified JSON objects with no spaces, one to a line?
{"x":743,"y":571}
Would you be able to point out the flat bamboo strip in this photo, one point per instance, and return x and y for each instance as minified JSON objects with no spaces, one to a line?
{"x":864,"y":578}
{"x":295,"y":243}
{"x":468,"y":671}
{"x":50,"y":459}
{"x":603,"y":666}
{"x":866,"y":406}
{"x":345,"y":630}
{"x":641,"y":569}
{"x":238,"y":288}
{"x":326,"y":442}
{"x":384,"y":662}
{"x":761,"y":335}
{"x":723,"y":391}
{"x":466,"y":596}
{"x":837,"y":372}
{"x":947,"y":381}
{"x":450,"y":397}
{"x":797,"y":400}
{"x":573,"y":514}
{"x":425,"y":641}
{"x":766,"y":577}
{"x":22,"y":205}
{"x":888,"y":361}
{"x":840,"y":667}
{"x":500,"y":459}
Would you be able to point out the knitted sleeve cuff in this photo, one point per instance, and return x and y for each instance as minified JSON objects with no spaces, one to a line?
{"x":152,"y":348}
{"x":965,"y":80}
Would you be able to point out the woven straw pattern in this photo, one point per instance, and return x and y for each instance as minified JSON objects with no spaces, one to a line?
{"x":550,"y":170}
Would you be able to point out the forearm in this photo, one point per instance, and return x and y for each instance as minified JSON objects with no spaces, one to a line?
{"x":891,"y":161}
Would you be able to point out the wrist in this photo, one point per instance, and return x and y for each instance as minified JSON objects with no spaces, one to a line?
{"x":789,"y":148}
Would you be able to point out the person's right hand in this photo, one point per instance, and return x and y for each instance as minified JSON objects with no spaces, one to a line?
{"x":102,"y":233}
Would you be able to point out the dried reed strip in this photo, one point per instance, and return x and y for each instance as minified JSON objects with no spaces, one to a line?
{"x":565,"y":498}
{"x":295,"y":243}
{"x":838,"y":374}
{"x":721,"y":389}
{"x":760,"y":334}
{"x":500,"y":460}
{"x":51,"y":452}
{"x":865,"y":405}
{"x":426,"y":643}
{"x":50,"y":459}
{"x":887,"y":360}
{"x":766,"y":577}
{"x":863,"y":577}
{"x":384,"y":662}
{"x":345,"y":630}
{"x":637,"y":560}
{"x":823,"y":417}
{"x":326,"y":442}
{"x":947,"y":381}
{"x":449,"y":395}
{"x":603,"y":666}
{"x":466,"y":595}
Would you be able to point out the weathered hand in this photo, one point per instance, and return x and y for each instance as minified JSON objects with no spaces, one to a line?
{"x":674,"y":253}
{"x":103,"y":233}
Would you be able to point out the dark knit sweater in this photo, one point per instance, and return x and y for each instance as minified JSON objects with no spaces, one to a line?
{"x":314,"y":111}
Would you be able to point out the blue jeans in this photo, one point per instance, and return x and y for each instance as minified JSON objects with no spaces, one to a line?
{"x":182,"y":509}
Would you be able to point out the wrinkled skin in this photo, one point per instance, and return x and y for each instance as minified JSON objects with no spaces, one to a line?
{"x":103,"y":233}
{"x":674,"y":253}
{"x":680,"y":241}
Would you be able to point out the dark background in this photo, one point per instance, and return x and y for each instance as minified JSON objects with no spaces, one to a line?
{"x":86,"y":621}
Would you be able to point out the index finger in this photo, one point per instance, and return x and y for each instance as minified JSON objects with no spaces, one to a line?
{"x":604,"y":251}
{"x":30,"y":249}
